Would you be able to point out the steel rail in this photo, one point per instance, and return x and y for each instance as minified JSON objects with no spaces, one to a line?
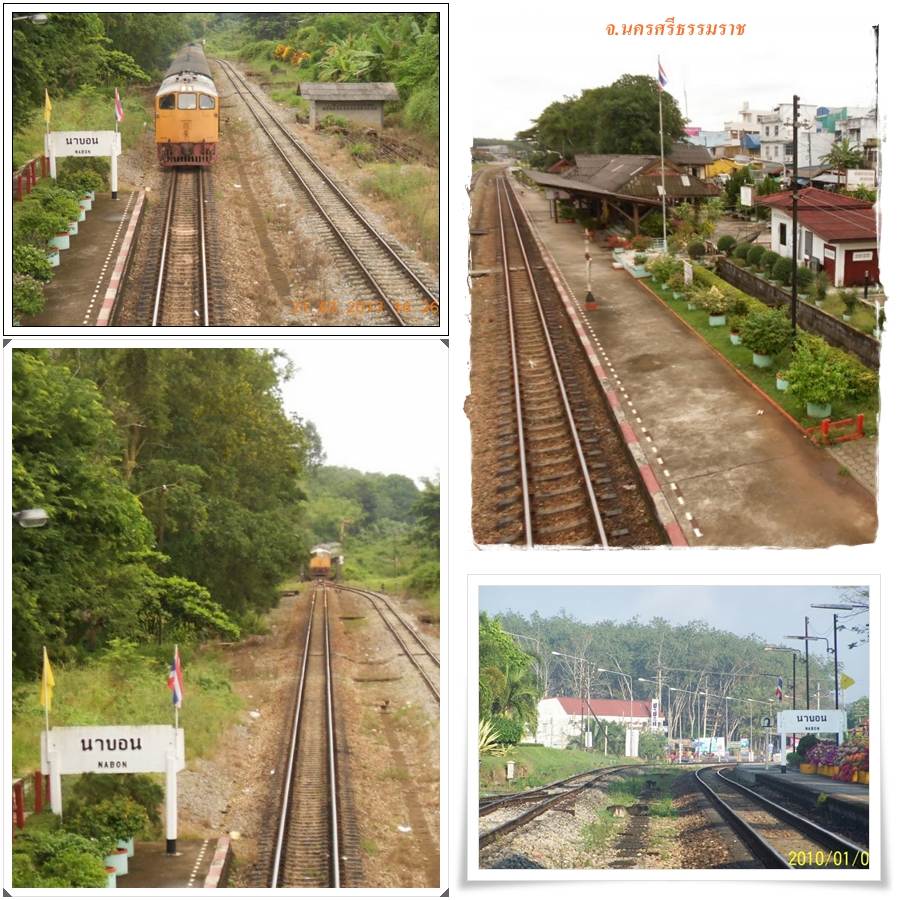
{"x":331,"y":183}
{"x":517,"y":388}
{"x":582,"y":462}
{"x":488,"y":837}
{"x":160,"y":282}
{"x":367,"y":274}
{"x":425,"y":677}
{"x":292,"y":753}
{"x":204,"y":287}
{"x":332,"y":759}
{"x":756,"y":842}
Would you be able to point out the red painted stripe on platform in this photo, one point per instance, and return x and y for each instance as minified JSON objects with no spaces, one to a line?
{"x":649,"y":479}
{"x":109,"y":298}
{"x":676,"y":535}
{"x":628,"y":432}
{"x":613,"y":398}
{"x":599,"y":370}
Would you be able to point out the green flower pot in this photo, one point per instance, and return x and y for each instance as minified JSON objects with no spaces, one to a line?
{"x":762,"y":360}
{"x":818,"y":410}
{"x":716,"y":321}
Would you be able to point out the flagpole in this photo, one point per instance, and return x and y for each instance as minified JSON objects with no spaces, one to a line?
{"x":46,"y":705}
{"x":662,"y":160}
{"x":176,"y":682}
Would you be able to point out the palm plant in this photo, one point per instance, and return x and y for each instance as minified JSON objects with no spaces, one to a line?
{"x":843,"y":156}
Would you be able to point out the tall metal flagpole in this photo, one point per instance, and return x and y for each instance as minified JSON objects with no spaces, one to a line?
{"x":662,"y":157}
{"x":175,"y":667}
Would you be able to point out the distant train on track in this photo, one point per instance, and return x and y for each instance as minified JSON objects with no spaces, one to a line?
{"x":326,"y":561}
{"x":187,"y":112}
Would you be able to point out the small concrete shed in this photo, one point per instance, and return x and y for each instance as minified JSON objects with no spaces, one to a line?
{"x":361,"y":103}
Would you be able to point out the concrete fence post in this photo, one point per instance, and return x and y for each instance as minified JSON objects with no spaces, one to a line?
{"x":18,"y":803}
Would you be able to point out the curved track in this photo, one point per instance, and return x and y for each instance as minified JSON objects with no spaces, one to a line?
{"x":561,"y":472}
{"x":427,"y":663}
{"x":776,"y":835}
{"x":400,"y":295}
{"x":181,"y":283}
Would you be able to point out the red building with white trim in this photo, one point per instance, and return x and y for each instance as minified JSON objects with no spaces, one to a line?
{"x":560,"y":719}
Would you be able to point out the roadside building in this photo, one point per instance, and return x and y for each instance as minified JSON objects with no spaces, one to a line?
{"x":777,"y":133}
{"x":563,"y":719}
{"x":621,"y":186}
{"x":862,"y":132}
{"x":747,"y":121}
{"x":690,"y":159}
{"x":836,"y":233}
{"x":360,"y":103}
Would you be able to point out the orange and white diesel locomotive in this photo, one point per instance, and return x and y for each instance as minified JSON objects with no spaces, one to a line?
{"x":187,"y":112}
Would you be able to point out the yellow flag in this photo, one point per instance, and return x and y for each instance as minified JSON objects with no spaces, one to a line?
{"x":846,"y":681}
{"x":48,"y":108}
{"x":48,"y":682}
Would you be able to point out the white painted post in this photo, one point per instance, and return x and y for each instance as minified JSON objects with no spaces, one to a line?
{"x":114,"y":167}
{"x":48,"y":151}
{"x":55,"y":784}
{"x":171,"y":804}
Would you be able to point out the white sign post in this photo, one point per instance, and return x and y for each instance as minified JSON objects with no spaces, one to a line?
{"x":810,"y":721}
{"x":86,"y":143}
{"x":121,"y":749}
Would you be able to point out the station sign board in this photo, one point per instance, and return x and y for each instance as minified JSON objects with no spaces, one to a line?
{"x":812,"y":721}
{"x":112,"y":749}
{"x":83,"y":143}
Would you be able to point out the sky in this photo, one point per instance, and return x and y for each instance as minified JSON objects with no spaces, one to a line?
{"x":379,"y":405}
{"x":769,"y":612}
{"x":826,"y":59}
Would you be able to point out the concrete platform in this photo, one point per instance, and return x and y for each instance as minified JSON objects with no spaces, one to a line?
{"x":80,"y":281}
{"x":733,"y":476}
{"x":198,"y":864}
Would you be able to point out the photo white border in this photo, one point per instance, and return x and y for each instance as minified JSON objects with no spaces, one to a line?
{"x":107,"y":332}
{"x":286,"y":342}
{"x":795,"y":876}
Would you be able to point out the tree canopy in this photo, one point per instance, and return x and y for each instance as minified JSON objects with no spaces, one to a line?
{"x":622,"y":117}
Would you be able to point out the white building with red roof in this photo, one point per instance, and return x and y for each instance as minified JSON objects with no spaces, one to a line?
{"x":562,"y":719}
{"x":838,"y":232}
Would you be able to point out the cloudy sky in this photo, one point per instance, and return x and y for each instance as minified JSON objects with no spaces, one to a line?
{"x":769,"y":612}
{"x":826,"y":59}
{"x":379,"y":404}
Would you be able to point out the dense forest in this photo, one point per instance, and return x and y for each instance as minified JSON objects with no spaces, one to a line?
{"x":701,"y":665}
{"x":179,"y":495}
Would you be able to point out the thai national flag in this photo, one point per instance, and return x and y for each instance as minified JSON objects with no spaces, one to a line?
{"x":663,"y":80}
{"x":779,"y":689}
{"x":176,"y":681}
{"x":120,"y":113}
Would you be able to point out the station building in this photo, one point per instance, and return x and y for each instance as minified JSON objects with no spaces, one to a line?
{"x":360,"y":103}
{"x":563,"y":719}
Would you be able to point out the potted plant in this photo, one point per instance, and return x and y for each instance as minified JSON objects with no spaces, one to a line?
{"x":850,"y":299}
{"x":755,"y":254}
{"x":716,"y":305}
{"x":821,"y":287}
{"x":691,"y":295}
{"x":566,"y":212}
{"x":781,"y":270}
{"x":726,"y":244}
{"x":675,"y":283}
{"x":766,"y":332}
{"x":818,"y":376}
{"x":781,"y":382}
{"x":696,"y":249}
{"x":805,"y":279}
{"x":767,"y":262}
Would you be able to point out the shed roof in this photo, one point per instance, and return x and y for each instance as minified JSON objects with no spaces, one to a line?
{"x":684,"y":154}
{"x":834,"y":217}
{"x":349,"y":90}
{"x":572,"y":706}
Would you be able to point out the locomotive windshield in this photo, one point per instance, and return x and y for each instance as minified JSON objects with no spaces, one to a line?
{"x":207,"y":102}
{"x":167,"y":101}
{"x":187,"y":101}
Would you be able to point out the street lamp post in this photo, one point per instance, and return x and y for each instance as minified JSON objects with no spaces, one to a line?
{"x":31,"y":518}
{"x":34,"y":18}
{"x":843,"y":606}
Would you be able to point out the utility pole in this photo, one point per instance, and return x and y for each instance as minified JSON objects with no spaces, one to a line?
{"x":795,"y":187}
{"x":806,"y":645}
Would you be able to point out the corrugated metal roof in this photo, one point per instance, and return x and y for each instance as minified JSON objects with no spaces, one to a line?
{"x":840,"y":224}
{"x":689,"y":155}
{"x":572,"y":706}
{"x":349,"y":90}
{"x":815,"y":198}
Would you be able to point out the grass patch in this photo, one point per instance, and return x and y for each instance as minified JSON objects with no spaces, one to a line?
{"x":742,"y":359}
{"x":664,"y":807}
{"x":87,"y":109}
{"x":396,"y":773}
{"x":129,"y":690}
{"x":538,"y":765}
{"x":597,"y":834}
{"x":863,"y":318}
{"x":413,"y":192}
{"x":369,"y":847}
{"x":289,"y":97}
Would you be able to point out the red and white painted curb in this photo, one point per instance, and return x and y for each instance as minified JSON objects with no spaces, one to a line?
{"x":664,"y":511}
{"x":112,"y":289}
{"x":219,"y":861}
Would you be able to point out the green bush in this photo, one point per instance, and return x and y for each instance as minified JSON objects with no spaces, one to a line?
{"x":794,"y":759}
{"x":821,"y":284}
{"x":74,"y":165}
{"x":805,"y":743}
{"x":422,"y":111}
{"x":93,"y":789}
{"x":27,"y":296}
{"x":114,"y":819}
{"x":755,"y":253}
{"x":425,"y":579}
{"x":849,"y":299}
{"x":506,"y":730}
{"x":57,"y":200}
{"x":640,"y":259}
{"x":817,"y":374}
{"x":805,"y":278}
{"x":362,"y":150}
{"x":782,"y":270}
{"x":738,"y":305}
{"x":741,"y":250}
{"x":766,"y":332}
{"x":714,"y":302}
{"x":768,"y":260}
{"x":32,"y":261}
{"x":652,"y":225}
{"x":33,"y":224}
{"x":696,"y":249}
{"x":641,"y":242}
{"x":81,"y":182}
{"x":664,"y":267}
{"x":58,"y":859}
{"x":726,"y":244}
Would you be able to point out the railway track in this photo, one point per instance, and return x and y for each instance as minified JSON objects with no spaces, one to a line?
{"x":541,"y":800}
{"x":563,"y":474}
{"x":426,"y":662}
{"x":309,"y":846}
{"x":178,"y":291}
{"x":390,"y":291}
{"x":779,"y":838}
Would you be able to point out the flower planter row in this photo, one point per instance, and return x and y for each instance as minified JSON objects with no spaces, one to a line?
{"x":117,"y":861}
{"x":857,"y":775}
{"x":62,"y":240}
